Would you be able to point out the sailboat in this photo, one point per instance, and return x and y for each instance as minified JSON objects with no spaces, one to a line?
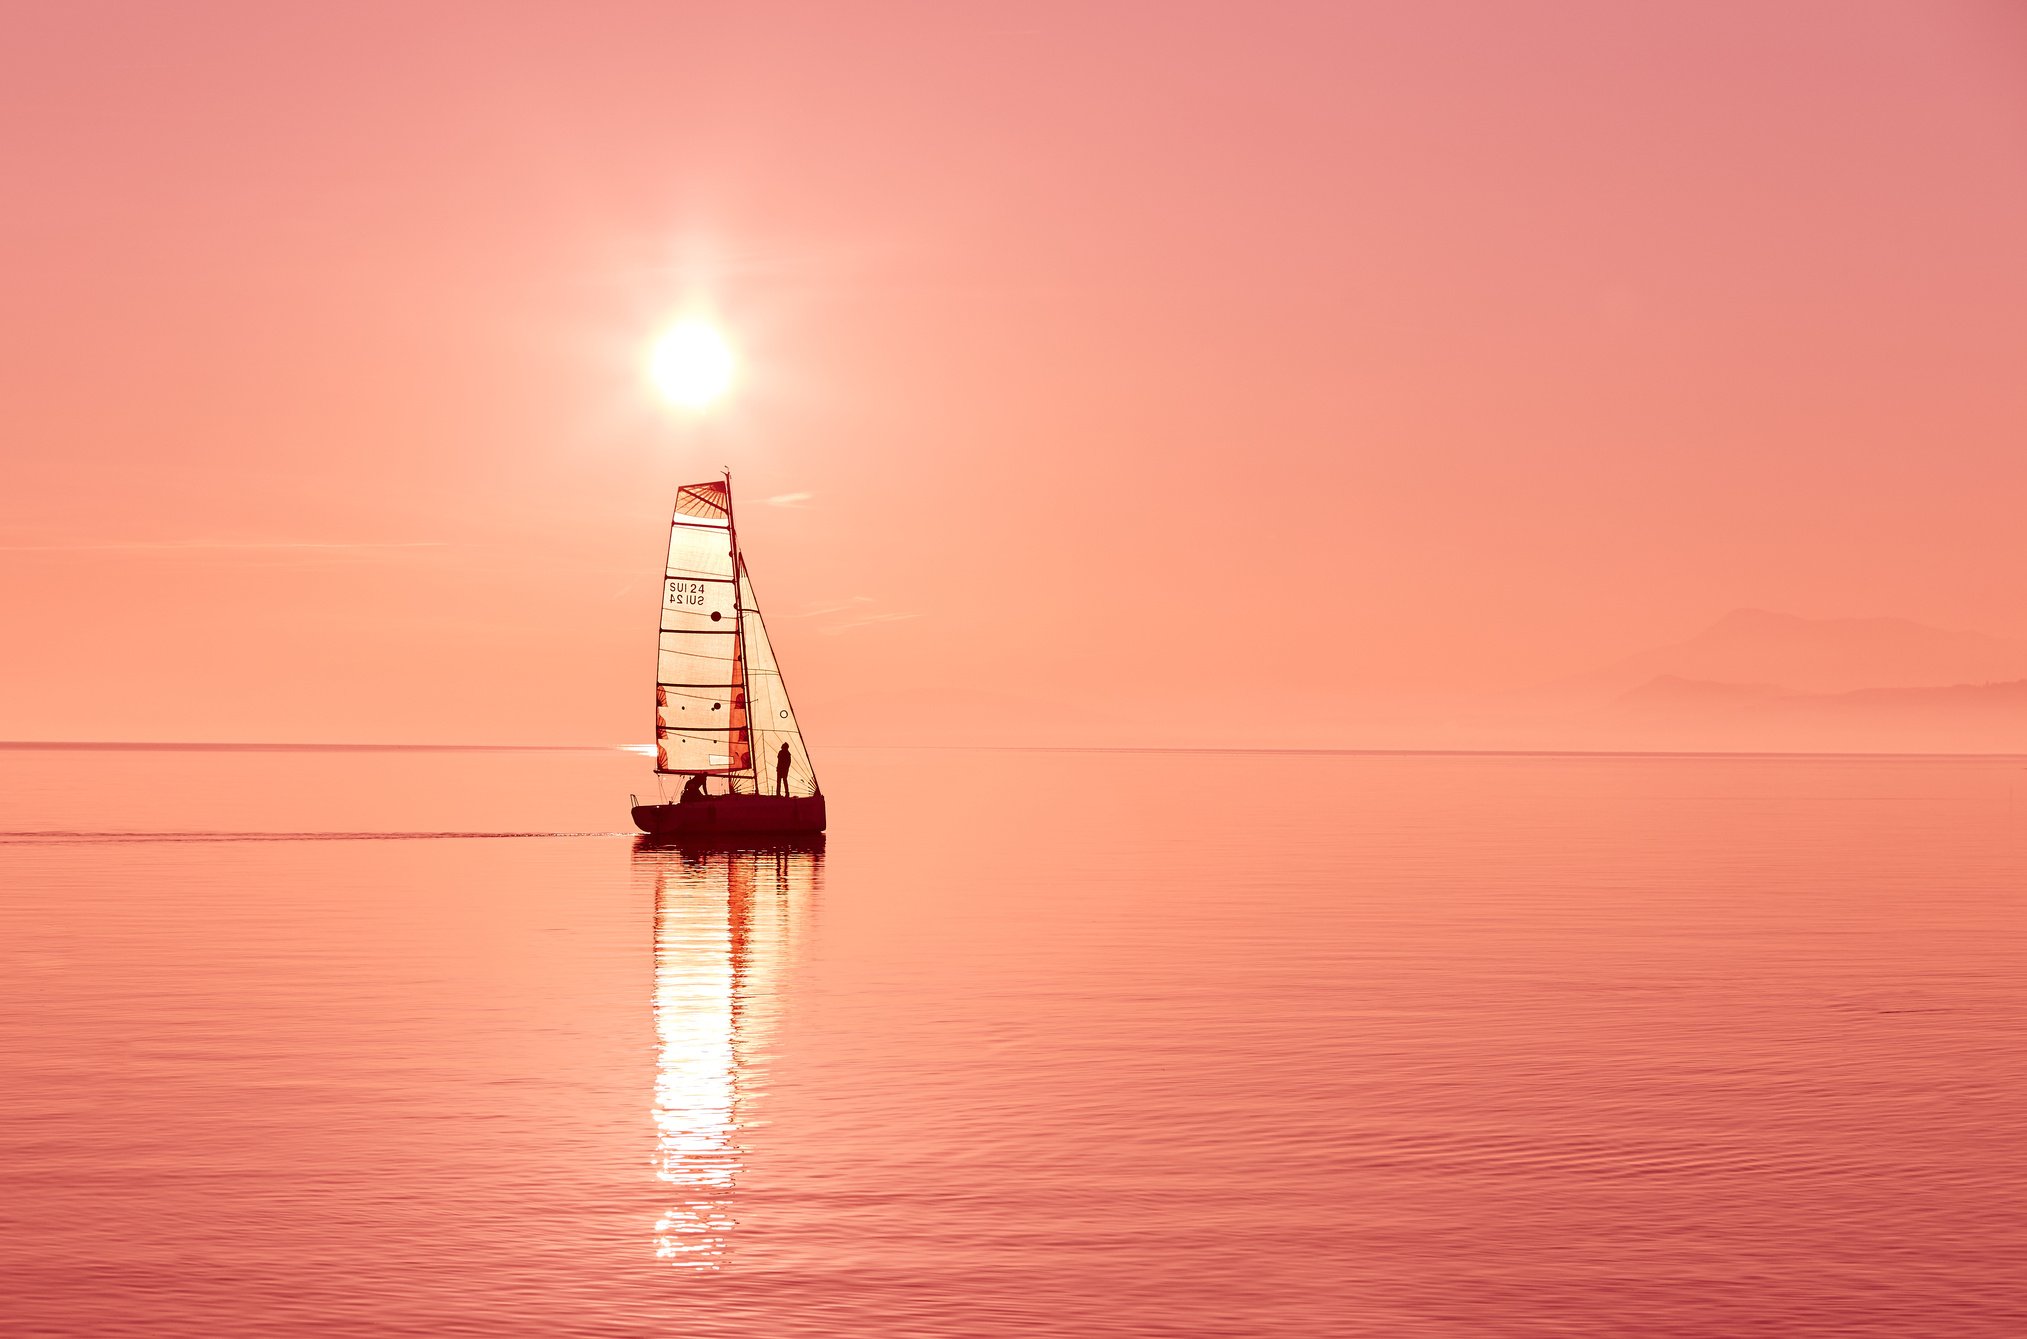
{"x":722,"y":715}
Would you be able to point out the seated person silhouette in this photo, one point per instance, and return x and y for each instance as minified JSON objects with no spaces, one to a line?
{"x":693,"y":789}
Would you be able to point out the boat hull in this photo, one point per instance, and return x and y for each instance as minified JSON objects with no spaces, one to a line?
{"x":732,"y":816}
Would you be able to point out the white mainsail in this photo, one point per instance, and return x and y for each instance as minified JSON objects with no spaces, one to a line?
{"x":721,"y":707}
{"x":700,"y":685}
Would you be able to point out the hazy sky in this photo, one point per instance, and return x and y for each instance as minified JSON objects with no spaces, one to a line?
{"x":1161,"y":363}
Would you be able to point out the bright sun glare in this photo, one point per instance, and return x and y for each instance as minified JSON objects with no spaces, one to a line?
{"x":692,"y":364}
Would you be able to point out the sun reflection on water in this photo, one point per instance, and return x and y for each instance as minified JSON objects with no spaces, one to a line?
{"x":724,"y":930}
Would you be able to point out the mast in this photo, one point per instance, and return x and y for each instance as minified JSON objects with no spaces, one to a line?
{"x":739,"y":635}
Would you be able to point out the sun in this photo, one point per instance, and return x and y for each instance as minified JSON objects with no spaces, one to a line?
{"x":692,"y":364}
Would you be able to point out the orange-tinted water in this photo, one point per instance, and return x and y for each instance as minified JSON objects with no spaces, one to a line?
{"x":1061,"y":1044}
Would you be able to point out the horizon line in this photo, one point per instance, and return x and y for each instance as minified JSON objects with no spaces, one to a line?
{"x":220,"y":746}
{"x":231,"y":746}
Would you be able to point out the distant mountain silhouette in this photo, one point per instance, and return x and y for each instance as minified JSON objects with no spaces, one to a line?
{"x":1818,"y":655}
{"x":1671,"y":693}
{"x":1671,"y":712}
{"x":1758,"y":681}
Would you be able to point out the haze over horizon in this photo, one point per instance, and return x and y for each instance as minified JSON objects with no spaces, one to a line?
{"x":1303,"y":376}
{"x":1752,"y":681}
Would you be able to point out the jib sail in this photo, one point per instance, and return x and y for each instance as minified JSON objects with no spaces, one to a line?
{"x":768,"y":708}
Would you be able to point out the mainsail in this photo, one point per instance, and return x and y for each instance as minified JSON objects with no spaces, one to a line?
{"x":721,"y":708}
{"x":700,"y":684}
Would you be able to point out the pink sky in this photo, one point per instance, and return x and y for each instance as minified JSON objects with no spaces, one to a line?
{"x":1260,"y":365}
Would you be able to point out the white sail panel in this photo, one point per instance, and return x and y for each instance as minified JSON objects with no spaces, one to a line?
{"x":771,"y":716}
{"x":699,"y":604}
{"x":700,"y":696}
{"x":699,"y":550}
{"x":694,"y":666}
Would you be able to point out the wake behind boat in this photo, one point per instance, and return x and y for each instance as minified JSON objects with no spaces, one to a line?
{"x":721,"y":708}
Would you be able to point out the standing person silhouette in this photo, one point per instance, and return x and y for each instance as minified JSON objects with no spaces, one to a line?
{"x":781,"y":770}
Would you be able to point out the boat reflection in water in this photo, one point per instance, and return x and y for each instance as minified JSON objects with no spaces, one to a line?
{"x":726,"y":921}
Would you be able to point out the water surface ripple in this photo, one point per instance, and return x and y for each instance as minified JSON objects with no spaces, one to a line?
{"x":1034,"y":1044}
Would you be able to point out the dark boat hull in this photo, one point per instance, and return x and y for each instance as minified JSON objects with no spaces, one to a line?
{"x":732,"y":816}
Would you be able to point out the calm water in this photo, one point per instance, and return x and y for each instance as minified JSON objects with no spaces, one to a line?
{"x":1040,"y":1044}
